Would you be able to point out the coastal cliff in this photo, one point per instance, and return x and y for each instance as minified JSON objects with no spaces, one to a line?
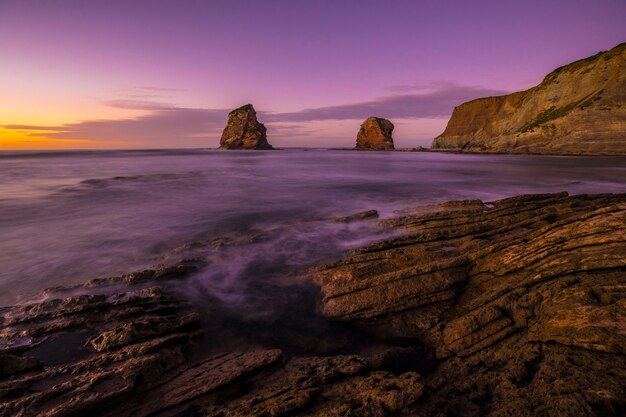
{"x":579,"y":108}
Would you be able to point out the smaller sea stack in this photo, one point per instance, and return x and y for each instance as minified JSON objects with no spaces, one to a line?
{"x":375,"y":134}
{"x":244,"y":131}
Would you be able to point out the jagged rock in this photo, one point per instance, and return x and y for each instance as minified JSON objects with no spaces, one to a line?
{"x":511,"y":296}
{"x":128,"y":354}
{"x":243,"y":131}
{"x":12,"y":364}
{"x":332,"y":386}
{"x":71,"y":355}
{"x":203,"y":378}
{"x":579,"y":108}
{"x":375,"y":134}
{"x":362,"y":215}
{"x":71,"y":377}
{"x":143,"y":329}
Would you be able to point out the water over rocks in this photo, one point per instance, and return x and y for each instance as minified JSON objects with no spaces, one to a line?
{"x":514,"y":307}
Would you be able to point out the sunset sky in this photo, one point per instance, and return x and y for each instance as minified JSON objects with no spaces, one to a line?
{"x":164,"y":74}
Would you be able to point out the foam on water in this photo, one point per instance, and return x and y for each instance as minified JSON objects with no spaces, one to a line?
{"x":69,"y":217}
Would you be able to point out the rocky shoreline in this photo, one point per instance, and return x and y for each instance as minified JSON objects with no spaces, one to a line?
{"x":515,"y":307}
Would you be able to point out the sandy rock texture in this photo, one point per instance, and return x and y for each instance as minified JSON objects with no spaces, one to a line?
{"x":244,"y":131}
{"x":579,"y":108}
{"x":375,"y":134}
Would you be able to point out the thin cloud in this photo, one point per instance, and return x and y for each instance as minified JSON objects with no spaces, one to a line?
{"x":144,"y":98}
{"x":438,"y":103}
{"x":161,"y":89}
{"x":288,"y":130}
{"x":171,"y":127}
{"x":167,"y":125}
{"x":132,"y":104}
{"x":34,"y":127}
{"x":421,"y":86}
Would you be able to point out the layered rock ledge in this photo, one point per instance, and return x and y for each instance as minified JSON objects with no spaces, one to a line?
{"x":138,"y":352}
{"x":522,"y":301}
{"x":244,"y":131}
{"x":579,"y":108}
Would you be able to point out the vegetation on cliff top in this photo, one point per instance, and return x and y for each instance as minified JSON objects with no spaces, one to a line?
{"x":581,"y":62}
{"x":553,"y":113}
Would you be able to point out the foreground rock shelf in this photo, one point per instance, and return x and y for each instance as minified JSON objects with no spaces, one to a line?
{"x":522,"y":301}
{"x":516,"y":307}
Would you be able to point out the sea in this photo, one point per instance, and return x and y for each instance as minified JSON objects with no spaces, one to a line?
{"x":259,"y":219}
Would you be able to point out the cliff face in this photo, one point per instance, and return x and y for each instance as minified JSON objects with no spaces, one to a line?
{"x":375,"y":134}
{"x":577,"y":109}
{"x":243,"y":131}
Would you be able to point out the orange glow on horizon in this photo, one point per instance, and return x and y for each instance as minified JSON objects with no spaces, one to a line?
{"x":44,"y":111}
{"x":11,"y":140}
{"x":18,"y":140}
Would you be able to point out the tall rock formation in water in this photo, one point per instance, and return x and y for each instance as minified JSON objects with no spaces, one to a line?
{"x":579,"y":108}
{"x":244,"y":131}
{"x":375,"y":134}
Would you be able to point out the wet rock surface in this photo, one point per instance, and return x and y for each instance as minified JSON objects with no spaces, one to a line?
{"x":362,"y":215}
{"x":123,"y":346}
{"x":515,"y":307}
{"x":375,"y":134}
{"x":522,"y":302}
{"x":244,"y":131}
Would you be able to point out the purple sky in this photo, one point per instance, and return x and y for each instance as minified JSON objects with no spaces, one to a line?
{"x":155,"y":73}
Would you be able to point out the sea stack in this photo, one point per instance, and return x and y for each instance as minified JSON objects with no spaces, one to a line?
{"x":577,"y":109}
{"x":244,"y":131}
{"x":375,"y":134}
